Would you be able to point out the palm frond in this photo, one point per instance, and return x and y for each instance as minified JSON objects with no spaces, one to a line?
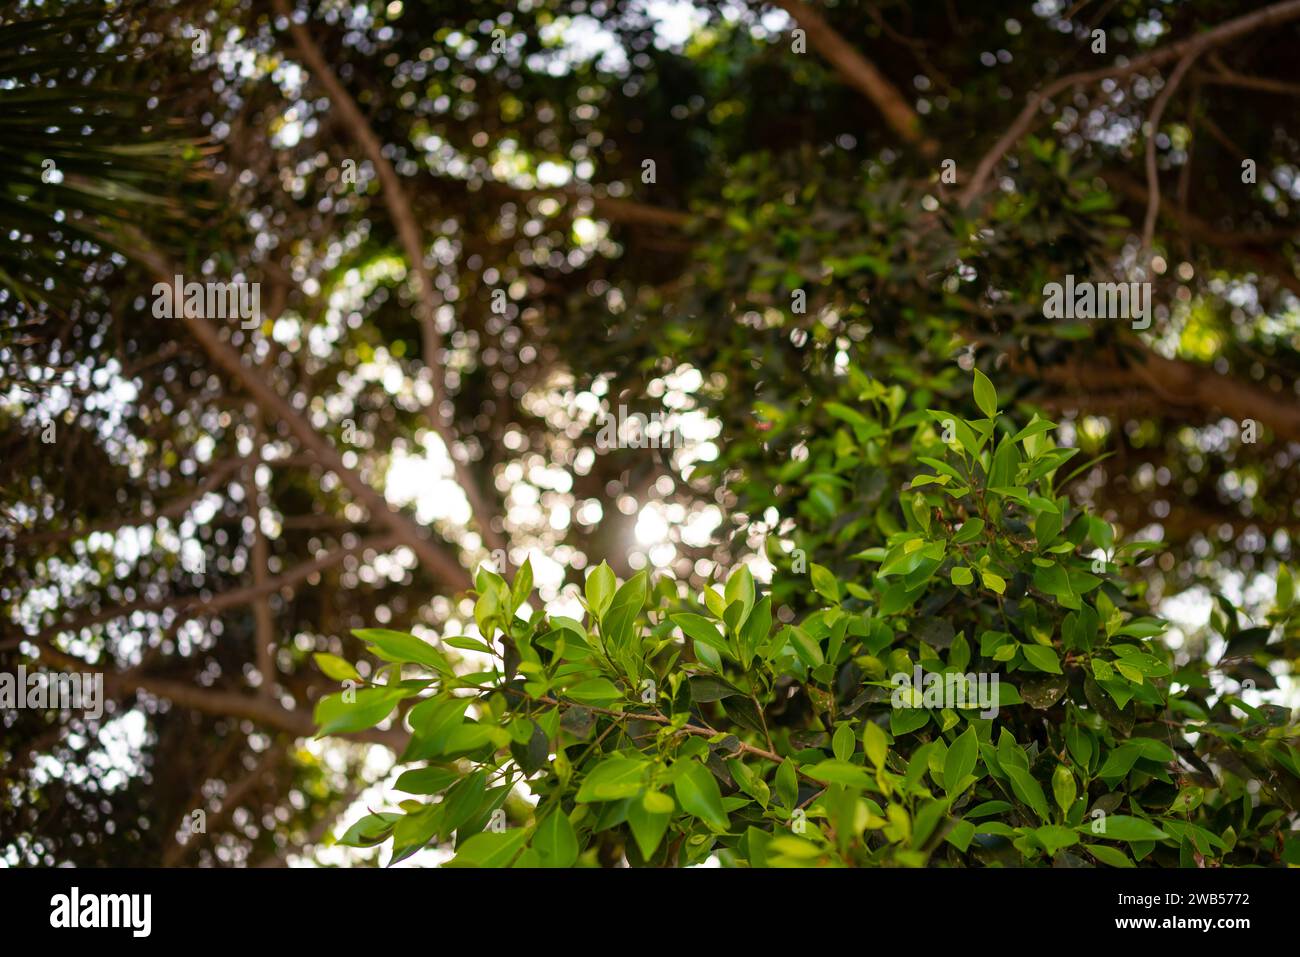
{"x":83,"y":157}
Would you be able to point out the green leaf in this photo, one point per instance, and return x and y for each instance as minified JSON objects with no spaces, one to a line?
{"x":656,"y":802}
{"x":919,"y":763}
{"x":1035,"y":427}
{"x":1079,"y":742}
{"x":1121,"y":827}
{"x":1119,"y":761}
{"x":824,"y":582}
{"x":488,"y":582}
{"x":748,"y":781}
{"x":1129,"y":672}
{"x":906,"y":720}
{"x":555,"y":840}
{"x":960,"y":760}
{"x":921,"y":512}
{"x":647,"y":824}
{"x":523,"y":584}
{"x":1027,"y":788}
{"x":874,"y":743}
{"x":430,"y":780}
{"x":706,"y":688}
{"x":1110,"y":856}
{"x":787,"y":784}
{"x":600,"y":588}
{"x":334,"y":715}
{"x":1064,"y":787}
{"x":415,"y":830}
{"x":962,"y":833}
{"x":959,"y":653}
{"x":842,"y":743}
{"x":615,"y":778}
{"x":700,"y":629}
{"x":1143,"y":628}
{"x":370,"y":830}
{"x":795,"y":848}
{"x":1053,"y":837}
{"x":1042,"y":658}
{"x":1285,"y":588}
{"x":740,"y":588}
{"x":986,"y":397}
{"x":839,"y":772}
{"x":987,"y":808}
{"x":1009,"y":752}
{"x":927,"y":819}
{"x":618,"y":622}
{"x":698,"y":794}
{"x":756,"y":628}
{"x":807,"y":648}
{"x":400,"y":647}
{"x":434,"y":721}
{"x":335,"y":667}
{"x":961,"y":575}
{"x":1188,"y":800}
{"x":470,"y":736}
{"x":597,"y":691}
{"x":465,"y":801}
{"x":469,"y":644}
{"x":490,"y":849}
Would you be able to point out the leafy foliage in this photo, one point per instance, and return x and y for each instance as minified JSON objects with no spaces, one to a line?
{"x":665,"y":731}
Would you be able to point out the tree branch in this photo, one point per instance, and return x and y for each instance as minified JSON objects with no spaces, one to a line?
{"x":193,"y":607}
{"x":177,"y":507}
{"x":259,"y":557}
{"x":1153,"y":174}
{"x":860,"y":73}
{"x":1228,"y":77}
{"x":1028,"y":116}
{"x":1251,"y":247}
{"x":226,"y":704}
{"x":176,"y":852}
{"x":1185,"y":384}
{"x":400,"y":210}
{"x":442,"y":564}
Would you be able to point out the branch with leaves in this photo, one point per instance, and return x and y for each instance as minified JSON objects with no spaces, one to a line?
{"x":660,"y":731}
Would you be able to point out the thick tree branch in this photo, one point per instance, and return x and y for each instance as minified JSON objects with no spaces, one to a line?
{"x":1184,"y":384}
{"x":860,"y":73}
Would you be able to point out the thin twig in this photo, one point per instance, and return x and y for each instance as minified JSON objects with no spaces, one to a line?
{"x":1153,"y":174}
